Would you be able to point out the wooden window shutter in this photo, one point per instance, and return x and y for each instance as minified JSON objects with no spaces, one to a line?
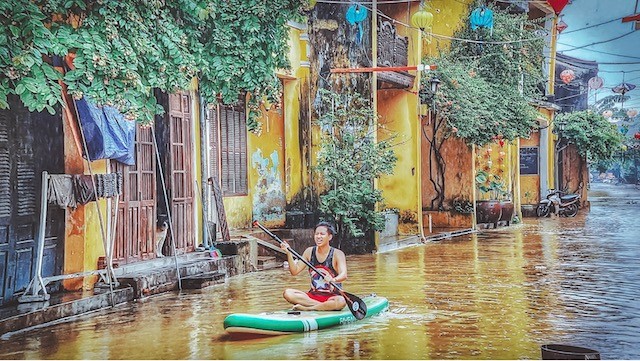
{"x":214,"y":140}
{"x":228,"y":148}
{"x":5,"y":166}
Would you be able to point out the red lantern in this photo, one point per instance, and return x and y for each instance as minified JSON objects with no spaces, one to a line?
{"x":561,"y":26}
{"x":558,"y":5}
{"x":567,"y":76}
{"x":637,"y":135}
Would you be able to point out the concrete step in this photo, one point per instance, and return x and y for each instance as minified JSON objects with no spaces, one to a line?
{"x":203,"y":280}
{"x":267,"y":262}
{"x":158,"y":280}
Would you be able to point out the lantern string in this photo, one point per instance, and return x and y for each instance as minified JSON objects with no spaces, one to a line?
{"x":440,"y":36}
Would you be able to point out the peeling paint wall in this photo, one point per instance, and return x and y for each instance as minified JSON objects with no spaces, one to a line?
{"x":268,"y":198}
{"x":276,"y":165}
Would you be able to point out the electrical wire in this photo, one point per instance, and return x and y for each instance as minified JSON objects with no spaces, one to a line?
{"x":603,"y":52}
{"x":440,"y":36}
{"x":590,"y":26}
{"x":600,"y":42}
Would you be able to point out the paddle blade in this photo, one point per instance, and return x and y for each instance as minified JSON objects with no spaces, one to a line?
{"x":357,"y":306}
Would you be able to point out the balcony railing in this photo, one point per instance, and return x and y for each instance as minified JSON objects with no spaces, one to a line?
{"x":392,"y":51}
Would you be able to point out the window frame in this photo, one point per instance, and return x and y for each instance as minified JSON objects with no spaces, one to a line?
{"x":228,"y":149}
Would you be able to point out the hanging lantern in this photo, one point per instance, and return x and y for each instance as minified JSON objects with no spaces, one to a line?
{"x":422,"y":19}
{"x":558,"y":5}
{"x":596,"y":82}
{"x":631,"y":113}
{"x":567,"y":76}
{"x":481,"y":17}
{"x":356,"y":14}
{"x":637,"y":135}
{"x":607,"y":114}
{"x":623,"y":88}
{"x":560,"y":26}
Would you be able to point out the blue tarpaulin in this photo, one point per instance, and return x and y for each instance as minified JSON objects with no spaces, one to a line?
{"x":108,"y":134}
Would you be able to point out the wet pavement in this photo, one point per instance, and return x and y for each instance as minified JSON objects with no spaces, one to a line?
{"x":499,"y":294}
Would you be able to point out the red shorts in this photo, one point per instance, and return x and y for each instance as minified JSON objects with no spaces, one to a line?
{"x":320,"y":297}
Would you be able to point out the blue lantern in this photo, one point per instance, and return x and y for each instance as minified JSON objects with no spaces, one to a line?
{"x":356,"y":14}
{"x":481,"y":17}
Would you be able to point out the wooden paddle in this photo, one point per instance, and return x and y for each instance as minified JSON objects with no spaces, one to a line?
{"x":357,"y":306}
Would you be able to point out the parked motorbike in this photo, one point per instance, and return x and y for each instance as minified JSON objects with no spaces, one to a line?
{"x":568,"y":204}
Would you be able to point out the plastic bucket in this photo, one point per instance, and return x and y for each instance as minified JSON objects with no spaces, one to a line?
{"x":566,"y":352}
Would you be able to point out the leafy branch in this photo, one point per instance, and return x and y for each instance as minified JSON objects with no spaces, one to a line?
{"x":123,"y":50}
{"x":349,"y":160}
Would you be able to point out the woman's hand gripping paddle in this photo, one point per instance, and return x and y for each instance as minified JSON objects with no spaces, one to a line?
{"x":357,"y":306}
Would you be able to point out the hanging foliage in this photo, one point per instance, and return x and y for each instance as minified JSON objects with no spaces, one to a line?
{"x":592,"y":134}
{"x":125,"y":49}
{"x":488,"y":94}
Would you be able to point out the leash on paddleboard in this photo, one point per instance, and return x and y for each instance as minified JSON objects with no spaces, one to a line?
{"x":357,"y":306}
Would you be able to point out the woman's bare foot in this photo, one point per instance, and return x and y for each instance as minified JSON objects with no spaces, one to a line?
{"x":300,"y":307}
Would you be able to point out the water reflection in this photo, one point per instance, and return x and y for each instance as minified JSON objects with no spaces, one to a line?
{"x":496,"y":295}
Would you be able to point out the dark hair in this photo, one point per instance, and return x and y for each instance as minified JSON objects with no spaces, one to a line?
{"x":161,"y":220}
{"x":329,"y":226}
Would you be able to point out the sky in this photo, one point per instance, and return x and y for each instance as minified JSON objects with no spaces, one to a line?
{"x":595,"y":32}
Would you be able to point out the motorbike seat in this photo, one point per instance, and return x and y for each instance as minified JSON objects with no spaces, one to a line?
{"x":568,"y":198}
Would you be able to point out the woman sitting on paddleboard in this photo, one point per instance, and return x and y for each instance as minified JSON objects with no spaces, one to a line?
{"x":330,"y":261}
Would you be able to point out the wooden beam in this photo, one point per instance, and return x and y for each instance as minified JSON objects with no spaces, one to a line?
{"x":383,"y":68}
{"x":630,"y":18}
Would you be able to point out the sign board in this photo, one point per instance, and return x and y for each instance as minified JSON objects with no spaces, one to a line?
{"x":529,"y":160}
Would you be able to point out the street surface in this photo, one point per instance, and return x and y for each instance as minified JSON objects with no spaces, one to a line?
{"x":496,"y":295}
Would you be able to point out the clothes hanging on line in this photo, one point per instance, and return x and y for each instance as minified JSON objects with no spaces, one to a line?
{"x":83,"y":189}
{"x":60,"y":191}
{"x":106,"y":186}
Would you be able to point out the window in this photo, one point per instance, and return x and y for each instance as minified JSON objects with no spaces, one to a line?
{"x":228,"y":147}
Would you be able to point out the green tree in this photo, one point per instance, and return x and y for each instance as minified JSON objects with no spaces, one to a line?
{"x":593,"y":136}
{"x":487,"y":87}
{"x":349,"y":160}
{"x":125,"y":49}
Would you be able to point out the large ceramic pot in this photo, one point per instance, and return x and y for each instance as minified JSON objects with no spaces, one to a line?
{"x":488,"y":211}
{"x":507,"y":211}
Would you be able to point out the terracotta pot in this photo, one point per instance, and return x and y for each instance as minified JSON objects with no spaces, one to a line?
{"x":507,"y":211}
{"x":488,"y":211}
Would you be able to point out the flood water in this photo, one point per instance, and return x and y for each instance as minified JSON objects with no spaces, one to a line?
{"x":496,"y":295}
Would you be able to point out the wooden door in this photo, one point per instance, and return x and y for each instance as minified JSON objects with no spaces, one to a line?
{"x":181,"y":180}
{"x":135,"y":231}
{"x":29,"y":144}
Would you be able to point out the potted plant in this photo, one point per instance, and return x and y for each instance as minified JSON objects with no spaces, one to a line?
{"x":488,"y":210}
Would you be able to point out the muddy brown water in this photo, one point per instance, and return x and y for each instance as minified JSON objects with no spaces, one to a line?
{"x":496,"y":295}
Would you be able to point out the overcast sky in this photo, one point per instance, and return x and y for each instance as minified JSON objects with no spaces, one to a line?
{"x":595,"y":32}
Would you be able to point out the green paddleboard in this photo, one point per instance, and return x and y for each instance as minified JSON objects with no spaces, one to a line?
{"x":287,"y":321}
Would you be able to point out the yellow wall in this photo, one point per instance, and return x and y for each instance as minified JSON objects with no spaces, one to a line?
{"x":495,"y":159}
{"x":399,"y":112}
{"x":448,"y":17}
{"x":296,"y":117}
{"x":94,"y":246}
{"x":197,"y":172}
{"x":276,"y":170}
{"x":398,"y":115}
{"x":83,"y":236}
{"x":530,"y":184}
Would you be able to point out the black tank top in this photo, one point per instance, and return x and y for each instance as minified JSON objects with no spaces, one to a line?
{"x":318,"y":284}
